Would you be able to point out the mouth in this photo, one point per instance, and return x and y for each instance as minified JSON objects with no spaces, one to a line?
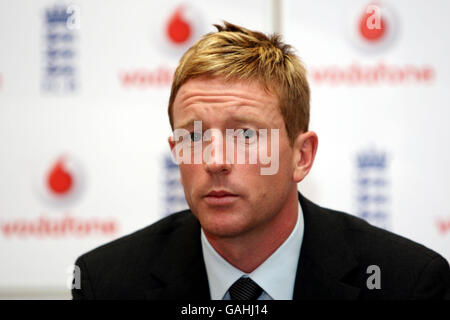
{"x":220,"y":197}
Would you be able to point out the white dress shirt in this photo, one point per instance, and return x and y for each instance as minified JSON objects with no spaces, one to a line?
{"x":276,"y":275}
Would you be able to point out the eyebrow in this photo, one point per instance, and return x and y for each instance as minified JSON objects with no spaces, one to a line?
{"x":188,"y":123}
{"x":239,"y":119}
{"x":246,"y":119}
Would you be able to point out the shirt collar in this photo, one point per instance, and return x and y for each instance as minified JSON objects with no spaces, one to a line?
{"x":275,"y":278}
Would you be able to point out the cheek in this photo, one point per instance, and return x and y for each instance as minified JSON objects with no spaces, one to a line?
{"x":250,"y":178}
{"x":286,"y":169}
{"x":191,"y":176}
{"x":248,"y":174}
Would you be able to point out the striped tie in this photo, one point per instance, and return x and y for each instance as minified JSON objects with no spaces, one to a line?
{"x":245,"y":289}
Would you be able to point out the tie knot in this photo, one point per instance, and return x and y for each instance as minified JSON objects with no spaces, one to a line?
{"x":245,"y":289}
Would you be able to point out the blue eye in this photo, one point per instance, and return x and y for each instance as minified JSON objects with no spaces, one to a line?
{"x":195,"y":136}
{"x":248,"y":133}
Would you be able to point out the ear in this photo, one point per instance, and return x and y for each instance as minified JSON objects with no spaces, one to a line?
{"x":172,"y":145}
{"x":171,"y":142}
{"x":305,"y":147}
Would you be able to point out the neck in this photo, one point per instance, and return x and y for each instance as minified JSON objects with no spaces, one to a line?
{"x":251,"y":249}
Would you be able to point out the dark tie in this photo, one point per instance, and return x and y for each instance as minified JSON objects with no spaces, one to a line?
{"x":245,"y":289}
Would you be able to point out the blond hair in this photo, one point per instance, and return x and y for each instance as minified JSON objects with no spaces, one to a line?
{"x":236,"y":53}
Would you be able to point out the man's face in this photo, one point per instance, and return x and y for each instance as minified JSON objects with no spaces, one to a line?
{"x":253,"y":199}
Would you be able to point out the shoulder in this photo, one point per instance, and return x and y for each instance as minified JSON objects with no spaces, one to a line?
{"x":372,"y":241}
{"x":125,"y":264}
{"x":144,"y":238}
{"x":408,"y":269}
{"x":364,"y":238}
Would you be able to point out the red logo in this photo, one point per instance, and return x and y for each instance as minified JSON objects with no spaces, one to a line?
{"x":180,"y":29}
{"x":177,"y":31}
{"x":373,"y":28}
{"x":61,"y":181}
{"x":443,"y":225}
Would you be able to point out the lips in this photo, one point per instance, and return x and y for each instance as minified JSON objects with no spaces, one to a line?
{"x":220,"y":193}
{"x":220,"y":198}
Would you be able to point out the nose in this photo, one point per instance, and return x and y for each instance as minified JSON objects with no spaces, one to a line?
{"x":214,"y":160}
{"x":218,"y":168}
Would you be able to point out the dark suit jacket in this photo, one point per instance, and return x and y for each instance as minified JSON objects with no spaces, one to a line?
{"x":165,"y":261}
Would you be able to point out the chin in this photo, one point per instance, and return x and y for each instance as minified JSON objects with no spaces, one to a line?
{"x":221,"y":226}
{"x":223,"y":232}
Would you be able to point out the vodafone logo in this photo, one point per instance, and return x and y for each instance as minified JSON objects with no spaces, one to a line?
{"x":180,"y":29}
{"x":61,"y":180}
{"x":443,"y":225}
{"x":59,"y":184}
{"x":372,"y":25}
{"x":373,"y":28}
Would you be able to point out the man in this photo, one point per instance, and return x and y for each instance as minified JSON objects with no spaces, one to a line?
{"x":249,"y":234}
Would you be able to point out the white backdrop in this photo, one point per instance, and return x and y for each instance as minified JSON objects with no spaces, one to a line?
{"x":380,"y":106}
{"x":84,"y":126}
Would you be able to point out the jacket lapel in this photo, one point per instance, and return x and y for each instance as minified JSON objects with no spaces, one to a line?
{"x":325,"y":257}
{"x":181,"y":272}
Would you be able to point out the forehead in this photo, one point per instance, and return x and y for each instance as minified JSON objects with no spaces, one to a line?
{"x":215,"y":96}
